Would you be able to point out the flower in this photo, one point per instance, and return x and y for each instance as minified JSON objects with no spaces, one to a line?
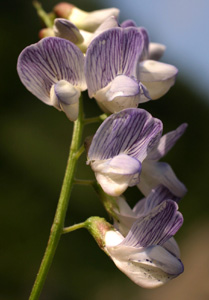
{"x":155,"y":172}
{"x":125,"y":151}
{"x":52,"y":70}
{"x":119,"y":147}
{"x":148,"y":254}
{"x":156,"y":76}
{"x":88,"y":21}
{"x":111,"y":69}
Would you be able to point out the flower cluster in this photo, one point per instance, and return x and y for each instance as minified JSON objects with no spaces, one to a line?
{"x":119,"y":67}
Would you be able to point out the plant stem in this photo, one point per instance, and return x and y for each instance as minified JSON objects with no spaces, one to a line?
{"x":58,"y":223}
{"x":100,"y":119}
{"x":84,"y":182}
{"x":73,"y":227}
{"x":42,"y":14}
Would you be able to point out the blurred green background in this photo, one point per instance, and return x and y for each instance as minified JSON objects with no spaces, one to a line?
{"x":34,"y":148}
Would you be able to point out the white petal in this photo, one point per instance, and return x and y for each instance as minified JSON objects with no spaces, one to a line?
{"x":116,"y":174}
{"x":156,"y":50}
{"x":91,"y":21}
{"x":65,"y":96}
{"x":148,"y":268}
{"x":157,"y":77}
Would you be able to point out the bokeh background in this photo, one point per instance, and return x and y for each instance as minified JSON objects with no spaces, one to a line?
{"x":34,"y":148}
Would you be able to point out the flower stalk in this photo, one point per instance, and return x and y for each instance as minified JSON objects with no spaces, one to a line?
{"x":58,"y":223}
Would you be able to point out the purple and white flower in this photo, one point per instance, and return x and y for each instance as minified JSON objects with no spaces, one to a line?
{"x":119,"y":71}
{"x":119,"y":147}
{"x":125,"y":151}
{"x":148,"y":254}
{"x":111,"y":69}
{"x":53,"y":71}
{"x":156,"y":76}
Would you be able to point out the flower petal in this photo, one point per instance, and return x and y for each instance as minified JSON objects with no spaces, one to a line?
{"x":155,"y":173}
{"x":149,"y":268}
{"x":156,"y":51}
{"x":157,"y":196}
{"x":91,"y":21}
{"x":125,"y":216}
{"x":172,"y":246}
{"x":155,"y":228}
{"x":116,"y":174}
{"x":167,"y":141}
{"x":67,"y":30}
{"x":45,"y":63}
{"x":65,"y":96}
{"x":128,"y":23}
{"x":145,"y":54}
{"x":132,"y":131}
{"x":157,"y":77}
{"x":114,"y":52}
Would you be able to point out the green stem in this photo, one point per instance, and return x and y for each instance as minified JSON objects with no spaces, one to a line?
{"x":73,"y":227}
{"x":84,"y":182}
{"x":58,"y":223}
{"x":42,"y":14}
{"x":101,"y":118}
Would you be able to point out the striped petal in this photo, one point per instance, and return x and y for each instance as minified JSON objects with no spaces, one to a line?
{"x":155,"y":228}
{"x":114,"y":52}
{"x":50,"y":60}
{"x":157,"y":77}
{"x":132,"y":131}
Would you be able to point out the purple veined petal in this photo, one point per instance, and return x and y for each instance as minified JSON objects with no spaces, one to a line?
{"x":145,"y":53}
{"x":67,"y":30}
{"x":114,"y":52}
{"x":166,"y":142}
{"x":132,"y":131}
{"x":128,"y":23}
{"x":155,"y":173}
{"x":50,"y":60}
{"x":154,"y":198}
{"x":155,"y":228}
{"x":157,"y":77}
{"x":156,"y":51}
{"x":157,"y":196}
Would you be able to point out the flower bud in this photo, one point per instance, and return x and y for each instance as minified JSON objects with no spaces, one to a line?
{"x":63,"y":9}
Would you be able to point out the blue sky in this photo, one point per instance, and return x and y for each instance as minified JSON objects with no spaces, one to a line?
{"x":183,"y":26}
